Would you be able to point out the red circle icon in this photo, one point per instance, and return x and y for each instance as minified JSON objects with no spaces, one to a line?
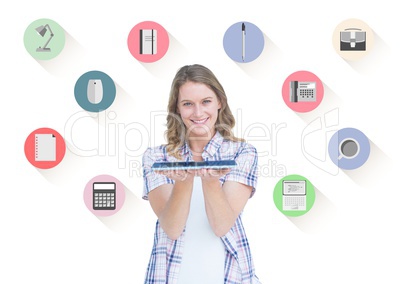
{"x":148,"y":41}
{"x":44,"y":148}
{"x":302,"y":91}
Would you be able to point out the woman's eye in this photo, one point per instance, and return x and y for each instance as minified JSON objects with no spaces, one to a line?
{"x":187,"y":104}
{"x":207,"y":101}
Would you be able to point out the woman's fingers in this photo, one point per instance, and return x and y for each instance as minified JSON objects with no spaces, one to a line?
{"x":212,"y":172}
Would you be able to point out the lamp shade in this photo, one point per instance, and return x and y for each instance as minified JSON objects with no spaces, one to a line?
{"x":41,"y":30}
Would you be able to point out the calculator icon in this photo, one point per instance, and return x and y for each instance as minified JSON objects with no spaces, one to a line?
{"x":104,"y":196}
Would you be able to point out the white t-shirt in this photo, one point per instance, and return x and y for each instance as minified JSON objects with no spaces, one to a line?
{"x":204,"y":253}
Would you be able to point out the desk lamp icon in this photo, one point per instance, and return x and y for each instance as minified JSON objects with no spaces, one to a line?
{"x":41,"y":30}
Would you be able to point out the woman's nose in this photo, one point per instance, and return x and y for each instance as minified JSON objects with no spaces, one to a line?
{"x":197,"y":110}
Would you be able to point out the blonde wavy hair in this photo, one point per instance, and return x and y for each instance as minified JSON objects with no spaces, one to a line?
{"x":176,"y":130}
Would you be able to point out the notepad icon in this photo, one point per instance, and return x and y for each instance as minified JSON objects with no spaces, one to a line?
{"x":148,"y":41}
{"x":45,"y":147}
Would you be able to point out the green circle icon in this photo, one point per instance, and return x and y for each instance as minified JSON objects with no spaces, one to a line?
{"x":44,"y":39}
{"x":294,"y":195}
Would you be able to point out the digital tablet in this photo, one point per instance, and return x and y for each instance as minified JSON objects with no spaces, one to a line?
{"x":223,"y":164}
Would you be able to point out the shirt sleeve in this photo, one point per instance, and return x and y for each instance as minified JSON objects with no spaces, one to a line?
{"x":246,"y":170}
{"x":152,"y":179}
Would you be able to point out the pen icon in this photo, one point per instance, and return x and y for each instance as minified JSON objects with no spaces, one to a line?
{"x":243,"y":39}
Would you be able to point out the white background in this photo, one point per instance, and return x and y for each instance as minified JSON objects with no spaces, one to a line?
{"x":351,"y":235}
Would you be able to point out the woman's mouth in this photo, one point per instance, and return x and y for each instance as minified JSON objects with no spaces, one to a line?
{"x":199,"y":121}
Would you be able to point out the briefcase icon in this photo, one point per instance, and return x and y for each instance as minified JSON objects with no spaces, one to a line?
{"x":353,"y":39}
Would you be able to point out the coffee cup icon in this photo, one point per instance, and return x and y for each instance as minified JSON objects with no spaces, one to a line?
{"x":349,"y":148}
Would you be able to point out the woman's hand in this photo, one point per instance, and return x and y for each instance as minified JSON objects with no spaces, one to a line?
{"x":179,"y":175}
{"x":211,"y":175}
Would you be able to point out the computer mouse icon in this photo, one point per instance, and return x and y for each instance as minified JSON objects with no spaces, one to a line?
{"x":95,"y":91}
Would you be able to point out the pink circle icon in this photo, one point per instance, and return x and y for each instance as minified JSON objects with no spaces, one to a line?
{"x":44,"y":148}
{"x":148,"y":41}
{"x":104,"y":195}
{"x":302,"y":91}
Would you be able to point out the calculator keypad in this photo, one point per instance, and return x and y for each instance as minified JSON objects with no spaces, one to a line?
{"x":104,"y":200}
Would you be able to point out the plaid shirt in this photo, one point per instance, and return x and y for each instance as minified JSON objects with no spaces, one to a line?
{"x":164,"y":264}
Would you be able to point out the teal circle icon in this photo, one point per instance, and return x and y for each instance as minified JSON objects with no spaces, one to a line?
{"x":44,"y":39}
{"x":294,"y":195}
{"x":95,"y":91}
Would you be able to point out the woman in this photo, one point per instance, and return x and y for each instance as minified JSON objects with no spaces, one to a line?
{"x":199,"y":236}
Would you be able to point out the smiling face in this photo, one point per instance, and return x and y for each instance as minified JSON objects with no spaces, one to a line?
{"x":198,"y":107}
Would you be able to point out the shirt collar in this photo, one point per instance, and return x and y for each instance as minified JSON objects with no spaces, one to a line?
{"x":214,"y":144}
{"x":209,"y":150}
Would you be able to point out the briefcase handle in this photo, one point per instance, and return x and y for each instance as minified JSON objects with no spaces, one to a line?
{"x":353,"y":29}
